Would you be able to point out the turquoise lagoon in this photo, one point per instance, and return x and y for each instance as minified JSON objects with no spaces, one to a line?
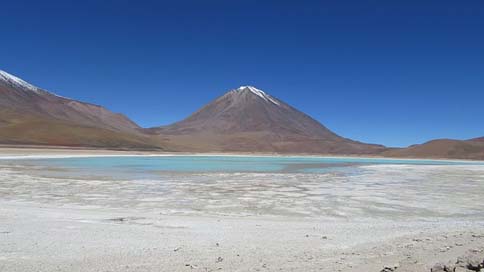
{"x":330,"y":188}
{"x":146,"y":165}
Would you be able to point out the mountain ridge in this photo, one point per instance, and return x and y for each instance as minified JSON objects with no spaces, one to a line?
{"x":21,"y":94}
{"x":245,"y":119}
{"x":31,"y":115}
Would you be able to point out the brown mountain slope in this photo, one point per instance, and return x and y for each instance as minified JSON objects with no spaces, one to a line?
{"x":20,"y":96}
{"x":481,"y":139}
{"x":249,"y":120}
{"x":443,"y":148}
{"x":30,"y":115}
{"x":39,"y":131}
{"x":243,"y":120}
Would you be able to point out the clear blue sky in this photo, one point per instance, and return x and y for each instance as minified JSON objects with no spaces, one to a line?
{"x":389,"y":72}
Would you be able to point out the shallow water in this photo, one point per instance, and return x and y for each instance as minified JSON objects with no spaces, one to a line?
{"x":151,"y":166}
{"x":329,"y":188}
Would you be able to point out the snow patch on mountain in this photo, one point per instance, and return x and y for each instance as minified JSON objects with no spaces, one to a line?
{"x":21,"y":84}
{"x":17,"y":82}
{"x":259,"y":93}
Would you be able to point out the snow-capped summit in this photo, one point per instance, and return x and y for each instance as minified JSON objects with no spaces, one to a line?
{"x":259,"y":93}
{"x":17,"y":82}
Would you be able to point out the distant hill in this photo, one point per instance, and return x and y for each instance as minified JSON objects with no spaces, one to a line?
{"x":481,"y":139}
{"x":443,"y":148}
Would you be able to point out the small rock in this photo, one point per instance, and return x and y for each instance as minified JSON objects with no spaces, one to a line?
{"x":461,"y":269}
{"x":472,"y":262}
{"x":389,"y":269}
{"x":219,"y":260}
{"x":439,"y":267}
{"x":191,"y":266}
{"x":445,"y":249}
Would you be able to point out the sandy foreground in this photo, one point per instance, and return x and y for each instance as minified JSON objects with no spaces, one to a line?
{"x":44,"y":238}
{"x":44,"y":229}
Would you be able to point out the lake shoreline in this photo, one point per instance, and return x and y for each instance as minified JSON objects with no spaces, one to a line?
{"x":7,"y":152}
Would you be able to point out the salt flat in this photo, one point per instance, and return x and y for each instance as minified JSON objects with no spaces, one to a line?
{"x":361,"y":218}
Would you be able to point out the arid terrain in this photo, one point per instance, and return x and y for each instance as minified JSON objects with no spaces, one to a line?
{"x":53,"y":220}
{"x":241,"y":136}
{"x":245,"y":119}
{"x":472,"y":149}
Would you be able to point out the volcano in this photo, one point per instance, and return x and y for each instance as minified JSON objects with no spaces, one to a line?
{"x":247,"y":119}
